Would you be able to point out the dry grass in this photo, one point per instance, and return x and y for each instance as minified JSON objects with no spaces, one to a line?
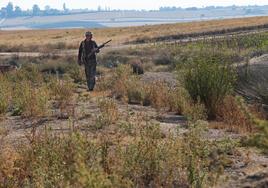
{"x":235,"y":114}
{"x":29,"y":101}
{"x":62,"y":92}
{"x":260,"y":138}
{"x":147,"y":160}
{"x":29,"y":94}
{"x":5,"y":93}
{"x":45,"y":40}
{"x":109,"y":110}
{"x":160,"y":95}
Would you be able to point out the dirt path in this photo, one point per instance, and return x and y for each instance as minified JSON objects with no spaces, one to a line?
{"x":250,"y":169}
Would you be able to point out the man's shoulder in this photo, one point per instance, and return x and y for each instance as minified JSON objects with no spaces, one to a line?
{"x":82,"y":42}
{"x":91,"y":41}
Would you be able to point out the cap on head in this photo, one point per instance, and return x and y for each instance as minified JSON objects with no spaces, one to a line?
{"x":88,"y":33}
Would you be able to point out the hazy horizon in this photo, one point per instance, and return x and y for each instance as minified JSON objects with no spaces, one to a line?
{"x":121,"y":4}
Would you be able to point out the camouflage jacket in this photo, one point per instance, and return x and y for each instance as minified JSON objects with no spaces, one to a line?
{"x":85,"y":49}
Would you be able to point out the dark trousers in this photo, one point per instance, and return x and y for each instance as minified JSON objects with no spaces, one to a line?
{"x":90,"y":69}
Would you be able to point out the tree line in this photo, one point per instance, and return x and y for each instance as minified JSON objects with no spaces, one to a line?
{"x":10,"y":10}
{"x":15,"y":11}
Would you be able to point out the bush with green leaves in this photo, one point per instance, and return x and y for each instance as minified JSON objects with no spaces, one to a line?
{"x":208,"y":80}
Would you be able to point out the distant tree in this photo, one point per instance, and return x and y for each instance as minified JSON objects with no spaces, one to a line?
{"x":210,"y":8}
{"x":18,"y":11}
{"x":64,"y":7}
{"x":234,"y":7}
{"x":9,"y":9}
{"x":3,"y":12}
{"x":169,"y":8}
{"x":54,"y":12}
{"x":99,"y":8}
{"x":192,"y":8}
{"x":36,"y":10}
{"x":47,"y":8}
{"x":248,"y":11}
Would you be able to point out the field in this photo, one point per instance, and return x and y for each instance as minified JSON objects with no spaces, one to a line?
{"x":47,"y":40}
{"x":197,"y":117}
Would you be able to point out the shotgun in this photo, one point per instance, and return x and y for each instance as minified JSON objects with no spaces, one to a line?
{"x":99,"y":47}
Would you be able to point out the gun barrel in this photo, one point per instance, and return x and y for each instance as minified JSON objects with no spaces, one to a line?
{"x":103,"y":45}
{"x":107,"y":42}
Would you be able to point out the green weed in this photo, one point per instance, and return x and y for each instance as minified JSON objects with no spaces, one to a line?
{"x":208,"y":81}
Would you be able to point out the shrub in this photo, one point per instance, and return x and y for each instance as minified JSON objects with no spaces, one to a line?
{"x":62,"y":92}
{"x":5,"y":93}
{"x":196,"y":158}
{"x":77,"y":74}
{"x":29,"y":101}
{"x":105,"y":83}
{"x":164,"y":59}
{"x":260,"y":138}
{"x":142,"y":160}
{"x":151,"y":160}
{"x":8,"y":158}
{"x":69,"y":161}
{"x":120,"y":81}
{"x":148,"y":159}
{"x":59,"y":66}
{"x":129,"y":87}
{"x":113,"y":59}
{"x":234,"y":112}
{"x":136,"y":91}
{"x":109,"y":110}
{"x":28,"y":72}
{"x":157,"y":94}
{"x":208,"y":81}
{"x":194,"y":111}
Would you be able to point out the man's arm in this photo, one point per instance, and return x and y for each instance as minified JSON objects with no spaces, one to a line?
{"x":80,"y":53}
{"x":96,"y":46}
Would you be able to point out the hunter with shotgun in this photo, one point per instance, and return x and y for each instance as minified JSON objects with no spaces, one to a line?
{"x":87,"y":57}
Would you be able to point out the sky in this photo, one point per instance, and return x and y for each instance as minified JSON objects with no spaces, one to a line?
{"x":126,"y":4}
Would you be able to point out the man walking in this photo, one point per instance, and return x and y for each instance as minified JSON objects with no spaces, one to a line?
{"x":87,"y":56}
